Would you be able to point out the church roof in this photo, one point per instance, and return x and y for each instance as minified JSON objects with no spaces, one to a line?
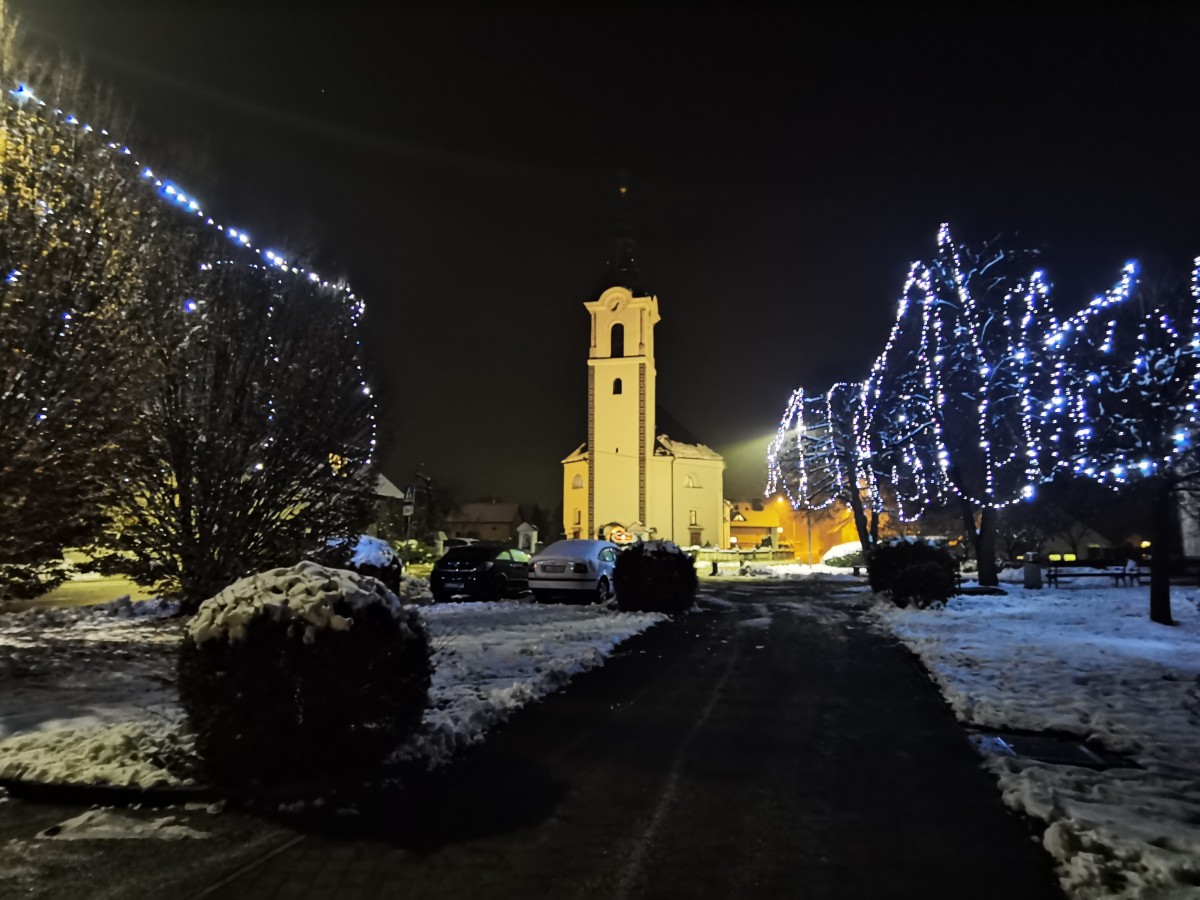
{"x":681,"y":450}
{"x":577,"y":454}
{"x":665,"y":423}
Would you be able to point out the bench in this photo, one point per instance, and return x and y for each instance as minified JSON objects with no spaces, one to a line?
{"x":1119,"y":576}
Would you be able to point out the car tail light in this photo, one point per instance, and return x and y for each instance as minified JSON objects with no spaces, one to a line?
{"x":579,"y":568}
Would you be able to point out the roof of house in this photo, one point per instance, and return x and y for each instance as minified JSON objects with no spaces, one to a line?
{"x":577,"y":454}
{"x":385,"y":488}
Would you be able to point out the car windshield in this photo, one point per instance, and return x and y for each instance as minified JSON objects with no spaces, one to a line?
{"x":471,"y":554}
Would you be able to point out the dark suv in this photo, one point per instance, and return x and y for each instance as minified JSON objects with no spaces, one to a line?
{"x":482,"y":571}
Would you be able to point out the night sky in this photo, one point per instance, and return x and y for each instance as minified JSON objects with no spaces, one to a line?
{"x":459,"y":166}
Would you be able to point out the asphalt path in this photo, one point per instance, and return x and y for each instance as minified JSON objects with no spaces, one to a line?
{"x":770,"y":745}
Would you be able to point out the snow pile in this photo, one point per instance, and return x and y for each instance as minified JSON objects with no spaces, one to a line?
{"x":1086,"y":661}
{"x":133,"y":753}
{"x":839,"y":550}
{"x":373,"y":551}
{"x":493,"y":658}
{"x":122,"y":608}
{"x":107,"y":824}
{"x":801,"y":570}
{"x":414,"y":589}
{"x":306,"y":591}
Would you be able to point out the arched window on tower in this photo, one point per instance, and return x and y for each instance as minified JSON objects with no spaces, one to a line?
{"x":577,"y":482}
{"x":616,"y":385}
{"x":617,"y":341}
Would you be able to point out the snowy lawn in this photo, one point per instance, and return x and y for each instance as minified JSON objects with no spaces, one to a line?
{"x":88,"y":694}
{"x":1084,"y":660}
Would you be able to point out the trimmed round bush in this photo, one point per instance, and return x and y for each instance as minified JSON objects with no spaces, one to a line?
{"x":302,"y":675}
{"x":654,"y":576}
{"x":913,"y":572}
{"x":891,"y":556}
{"x":921,"y":584}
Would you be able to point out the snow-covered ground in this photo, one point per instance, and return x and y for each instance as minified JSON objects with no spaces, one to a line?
{"x":87,"y":694}
{"x":1086,"y":661}
{"x":802,"y":570}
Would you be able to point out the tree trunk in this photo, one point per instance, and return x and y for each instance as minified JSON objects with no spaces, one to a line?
{"x":983,"y":540}
{"x":985,"y":548}
{"x":860,"y":523}
{"x":1162,"y":516}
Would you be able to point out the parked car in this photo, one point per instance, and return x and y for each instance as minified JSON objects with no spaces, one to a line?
{"x":579,"y":568}
{"x":481,"y":571}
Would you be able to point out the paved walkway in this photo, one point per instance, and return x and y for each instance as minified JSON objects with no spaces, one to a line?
{"x":772,"y":746}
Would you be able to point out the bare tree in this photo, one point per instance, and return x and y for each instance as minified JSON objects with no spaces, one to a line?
{"x":73,"y":215}
{"x":256,"y":428}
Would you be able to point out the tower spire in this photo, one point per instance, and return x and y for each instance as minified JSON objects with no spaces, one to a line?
{"x":621,"y":265}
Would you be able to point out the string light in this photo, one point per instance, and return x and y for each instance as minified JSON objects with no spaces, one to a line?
{"x":1104,"y":394}
{"x":23,"y":94}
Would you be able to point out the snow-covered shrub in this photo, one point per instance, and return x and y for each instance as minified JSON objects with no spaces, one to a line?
{"x":303,"y":674}
{"x":654,"y":576}
{"x":844,"y":556}
{"x":365,"y":555}
{"x":890,"y":558}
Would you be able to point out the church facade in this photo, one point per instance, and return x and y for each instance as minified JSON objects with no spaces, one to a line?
{"x":628,"y":480}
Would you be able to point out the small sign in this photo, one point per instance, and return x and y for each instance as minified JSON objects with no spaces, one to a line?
{"x":410,"y":495}
{"x":406,"y":509}
{"x":621,"y":536}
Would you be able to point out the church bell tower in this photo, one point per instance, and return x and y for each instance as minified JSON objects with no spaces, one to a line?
{"x":621,"y":390}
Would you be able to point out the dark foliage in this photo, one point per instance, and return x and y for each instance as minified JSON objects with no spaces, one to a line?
{"x":922,"y":583}
{"x":891,"y":557}
{"x":272,"y":710}
{"x":653,"y":577}
{"x":255,"y":432}
{"x":72,"y":217}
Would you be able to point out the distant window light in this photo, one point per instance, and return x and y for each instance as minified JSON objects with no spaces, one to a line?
{"x":617,"y":341}
{"x":577,"y":481}
{"x":1055,"y":557}
{"x":616,"y":385}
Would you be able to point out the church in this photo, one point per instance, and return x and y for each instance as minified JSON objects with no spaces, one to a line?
{"x":633,"y":479}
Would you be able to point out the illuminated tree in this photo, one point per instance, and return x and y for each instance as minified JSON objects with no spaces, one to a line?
{"x":198,"y":398}
{"x":815,"y":461}
{"x":73,"y":214}
{"x":256,"y":431}
{"x":1126,"y":388}
{"x":952,"y":403}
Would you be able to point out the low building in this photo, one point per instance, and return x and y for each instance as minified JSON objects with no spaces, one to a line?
{"x":485,"y":521}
